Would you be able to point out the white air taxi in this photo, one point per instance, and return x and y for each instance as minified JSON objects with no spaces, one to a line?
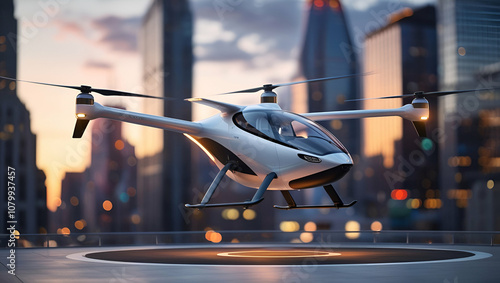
{"x":261,"y":146}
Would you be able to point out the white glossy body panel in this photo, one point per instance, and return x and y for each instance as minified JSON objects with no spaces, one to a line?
{"x":261,"y":155}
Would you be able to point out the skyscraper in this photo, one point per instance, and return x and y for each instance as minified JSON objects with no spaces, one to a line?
{"x":403,"y":57}
{"x":469,"y":45}
{"x":327,"y":51}
{"x":17,"y":142}
{"x":164,"y":168}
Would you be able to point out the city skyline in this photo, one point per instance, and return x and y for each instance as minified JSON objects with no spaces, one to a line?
{"x":103,"y":58}
{"x":71,"y":155}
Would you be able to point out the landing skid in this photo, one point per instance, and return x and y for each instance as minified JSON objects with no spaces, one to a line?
{"x":255,"y":200}
{"x":337,"y":202}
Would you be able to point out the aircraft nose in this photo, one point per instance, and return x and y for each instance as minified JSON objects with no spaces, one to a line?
{"x":340,"y":158}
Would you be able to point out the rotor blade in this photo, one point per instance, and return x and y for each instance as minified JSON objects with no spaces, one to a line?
{"x":321,"y":79}
{"x":39,"y":83}
{"x":246,"y":90}
{"x":90,"y":89}
{"x":294,"y":83}
{"x":432,"y":93}
{"x":441,"y":93}
{"x":121,"y":93}
{"x":383,"y":97}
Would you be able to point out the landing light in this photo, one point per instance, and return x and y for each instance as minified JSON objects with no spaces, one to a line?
{"x":80,"y":115}
{"x":424,"y":118}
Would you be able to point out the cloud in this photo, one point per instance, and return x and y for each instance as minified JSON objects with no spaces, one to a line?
{"x":66,"y":27}
{"x":120,"y":34}
{"x":257,"y":28}
{"x":93,"y":64}
{"x":116,"y":33}
{"x":221,"y":51}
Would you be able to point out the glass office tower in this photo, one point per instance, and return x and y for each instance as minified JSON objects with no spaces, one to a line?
{"x":403,"y":58}
{"x":327,"y":51}
{"x":469,"y":46}
{"x":164,"y":170}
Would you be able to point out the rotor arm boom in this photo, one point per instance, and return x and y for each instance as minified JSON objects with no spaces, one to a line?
{"x":98,"y":111}
{"x":407,"y":111}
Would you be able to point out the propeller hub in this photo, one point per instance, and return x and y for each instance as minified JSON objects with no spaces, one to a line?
{"x":419,"y":94}
{"x":268,"y":87}
{"x":85,"y":88}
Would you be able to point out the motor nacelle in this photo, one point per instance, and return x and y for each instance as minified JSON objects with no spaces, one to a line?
{"x":83,"y":99}
{"x":423,"y":105}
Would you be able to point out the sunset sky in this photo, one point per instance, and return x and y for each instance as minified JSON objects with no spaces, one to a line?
{"x":238,"y":44}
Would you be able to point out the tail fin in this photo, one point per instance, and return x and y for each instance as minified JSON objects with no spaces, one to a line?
{"x":420,"y":128}
{"x":80,"y":127}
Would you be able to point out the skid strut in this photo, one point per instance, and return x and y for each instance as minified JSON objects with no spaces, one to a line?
{"x":215,"y":183}
{"x":337,"y":202}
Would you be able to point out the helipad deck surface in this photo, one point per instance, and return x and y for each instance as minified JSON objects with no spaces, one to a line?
{"x":258,"y":263}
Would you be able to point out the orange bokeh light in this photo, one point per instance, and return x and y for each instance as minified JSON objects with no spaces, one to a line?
{"x":213,"y":236}
{"x":65,"y":231}
{"x":119,"y":144}
{"x":399,"y":194}
{"x":318,"y":3}
{"x":79,"y":225}
{"x":334,"y":4}
{"x":107,"y":205}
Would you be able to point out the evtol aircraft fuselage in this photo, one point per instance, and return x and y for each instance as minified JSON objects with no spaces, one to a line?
{"x":261,"y":146}
{"x":260,"y":143}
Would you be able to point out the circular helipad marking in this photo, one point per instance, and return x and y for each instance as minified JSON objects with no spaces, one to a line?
{"x":272,"y":256}
{"x":278,"y":254}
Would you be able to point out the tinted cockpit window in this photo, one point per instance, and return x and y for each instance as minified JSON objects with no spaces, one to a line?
{"x":289,"y":129}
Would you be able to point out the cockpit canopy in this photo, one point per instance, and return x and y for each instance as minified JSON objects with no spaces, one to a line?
{"x":289,"y":129}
